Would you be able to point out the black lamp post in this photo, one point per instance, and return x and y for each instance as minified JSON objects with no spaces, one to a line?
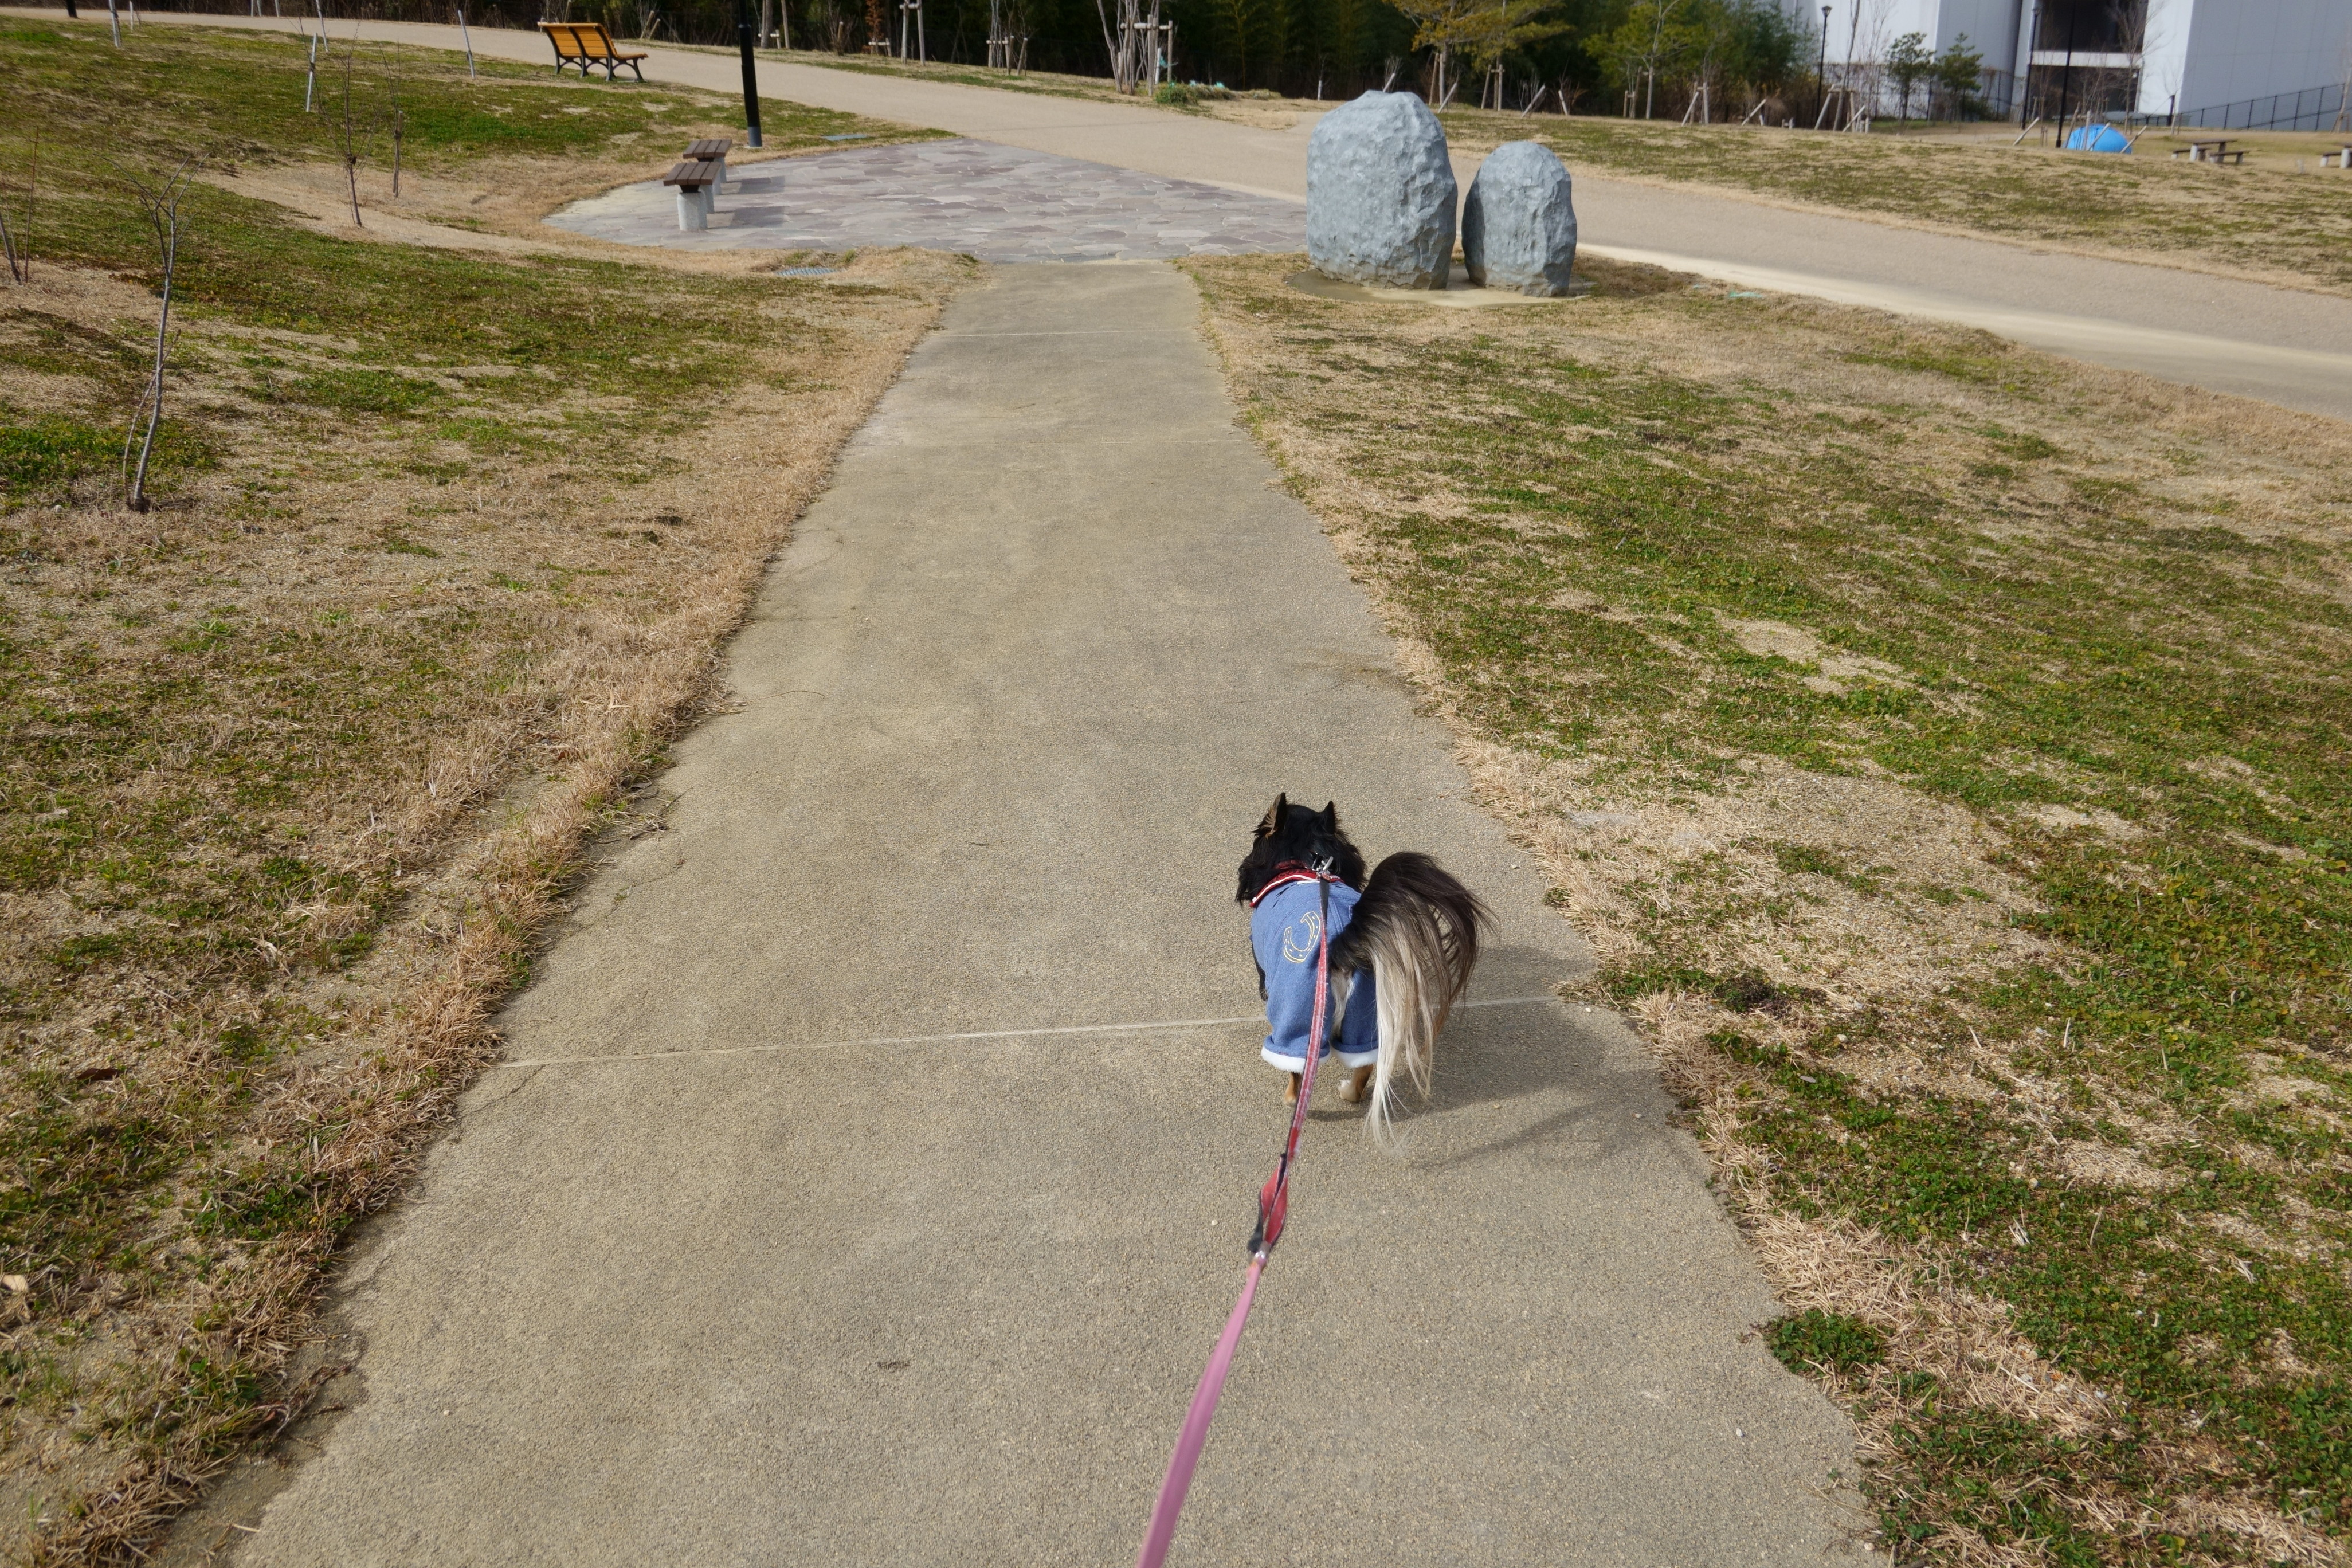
{"x":1821,"y":72}
{"x":751,"y":81}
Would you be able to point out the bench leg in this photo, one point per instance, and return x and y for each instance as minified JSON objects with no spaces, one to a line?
{"x":709,"y":199}
{"x":691,"y":213}
{"x":633,"y":70}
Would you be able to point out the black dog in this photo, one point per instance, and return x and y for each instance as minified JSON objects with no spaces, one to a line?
{"x":1410,"y":929}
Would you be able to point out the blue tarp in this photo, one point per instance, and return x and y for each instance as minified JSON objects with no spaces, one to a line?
{"x":2097,"y":139}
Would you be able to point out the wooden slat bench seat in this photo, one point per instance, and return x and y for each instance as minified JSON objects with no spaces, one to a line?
{"x":695,"y":180}
{"x":585,"y":44}
{"x":709,"y":150}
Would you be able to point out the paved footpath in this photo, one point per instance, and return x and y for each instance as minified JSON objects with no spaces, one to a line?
{"x":992,"y":201}
{"x":819,"y":1217}
{"x":2288,"y":346}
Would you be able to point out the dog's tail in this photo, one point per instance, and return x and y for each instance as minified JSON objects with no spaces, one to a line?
{"x":1416,"y":929}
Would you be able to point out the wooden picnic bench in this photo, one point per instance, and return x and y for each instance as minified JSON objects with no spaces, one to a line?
{"x":585,"y":44}
{"x":2341,"y":158}
{"x":695,"y":180}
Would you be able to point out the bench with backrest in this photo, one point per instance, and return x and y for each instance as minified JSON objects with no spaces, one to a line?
{"x":695,"y":181}
{"x":585,"y":44}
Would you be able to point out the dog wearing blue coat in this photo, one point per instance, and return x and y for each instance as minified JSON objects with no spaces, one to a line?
{"x":1404,"y":942}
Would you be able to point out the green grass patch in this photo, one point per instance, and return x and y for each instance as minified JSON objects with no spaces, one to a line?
{"x":43,"y":456}
{"x":1831,"y":1341}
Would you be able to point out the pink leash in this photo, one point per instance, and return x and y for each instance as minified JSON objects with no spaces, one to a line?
{"x":1272,"y":1206}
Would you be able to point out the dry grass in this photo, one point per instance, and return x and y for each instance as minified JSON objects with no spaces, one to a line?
{"x":1842,"y":942}
{"x":301,"y":759}
{"x":2278,"y":218}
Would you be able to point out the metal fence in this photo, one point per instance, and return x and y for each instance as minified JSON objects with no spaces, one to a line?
{"x":2313,"y":109}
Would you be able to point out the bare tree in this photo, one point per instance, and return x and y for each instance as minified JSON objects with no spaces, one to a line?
{"x":19,"y":249}
{"x":348,"y":136}
{"x":159,"y":203}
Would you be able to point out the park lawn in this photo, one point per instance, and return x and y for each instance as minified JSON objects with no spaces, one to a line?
{"x":294,"y":766}
{"x":2266,"y":219}
{"x":1944,"y":747}
{"x":235,"y":97}
{"x":1259,"y":107}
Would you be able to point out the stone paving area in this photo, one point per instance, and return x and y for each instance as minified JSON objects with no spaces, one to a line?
{"x":998,"y":203}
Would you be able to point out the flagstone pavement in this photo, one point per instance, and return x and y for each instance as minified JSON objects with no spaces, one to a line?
{"x":995,"y":203}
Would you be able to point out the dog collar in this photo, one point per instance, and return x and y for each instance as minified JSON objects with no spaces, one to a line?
{"x":1285,"y":876}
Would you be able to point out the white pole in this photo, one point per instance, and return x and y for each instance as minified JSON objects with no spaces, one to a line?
{"x":469,"y":45}
{"x":114,"y":20}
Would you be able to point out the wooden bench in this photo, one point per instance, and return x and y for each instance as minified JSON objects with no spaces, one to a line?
{"x":585,"y":44}
{"x":695,"y":181}
{"x":710,"y":150}
{"x":2341,"y":159}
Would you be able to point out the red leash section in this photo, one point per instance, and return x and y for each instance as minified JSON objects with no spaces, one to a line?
{"x":1272,"y":1206}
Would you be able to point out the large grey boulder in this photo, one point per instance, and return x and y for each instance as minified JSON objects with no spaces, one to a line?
{"x":1518,"y":225}
{"x":1380,"y":193}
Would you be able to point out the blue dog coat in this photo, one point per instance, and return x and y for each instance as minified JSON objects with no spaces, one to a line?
{"x":1283,"y":932}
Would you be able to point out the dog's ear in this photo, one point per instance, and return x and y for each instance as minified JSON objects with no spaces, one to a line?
{"x":1331,"y":816}
{"x":1272,"y":823}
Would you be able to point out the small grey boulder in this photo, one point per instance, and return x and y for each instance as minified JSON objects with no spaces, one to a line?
{"x":1519,"y":227}
{"x":1380,"y":193}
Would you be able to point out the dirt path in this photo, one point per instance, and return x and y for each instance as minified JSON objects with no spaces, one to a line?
{"x":2283,"y":345}
{"x":871,"y":1170}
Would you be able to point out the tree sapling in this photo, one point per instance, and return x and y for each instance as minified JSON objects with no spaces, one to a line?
{"x":159,"y":203}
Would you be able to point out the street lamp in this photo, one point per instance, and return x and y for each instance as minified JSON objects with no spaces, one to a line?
{"x":751,"y":81}
{"x":1821,"y":71}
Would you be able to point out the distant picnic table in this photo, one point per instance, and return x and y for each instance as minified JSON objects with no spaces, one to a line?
{"x":2210,"y":150}
{"x":585,"y":44}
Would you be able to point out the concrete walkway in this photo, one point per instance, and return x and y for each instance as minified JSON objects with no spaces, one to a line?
{"x":870,"y":1176}
{"x":2288,"y":346}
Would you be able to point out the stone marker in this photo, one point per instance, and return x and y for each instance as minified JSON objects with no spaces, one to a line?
{"x":1518,"y":225}
{"x":1380,"y":193}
